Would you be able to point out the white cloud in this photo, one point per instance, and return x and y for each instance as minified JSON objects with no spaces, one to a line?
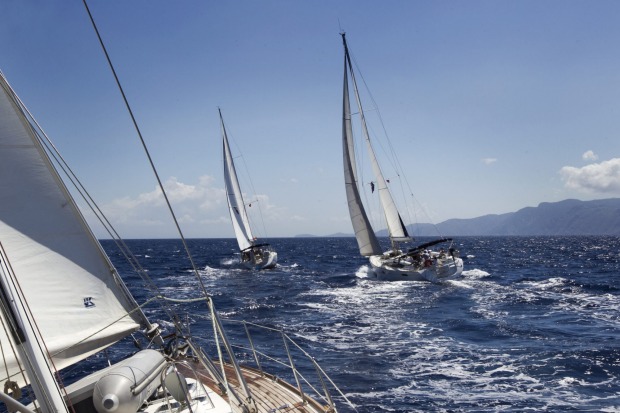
{"x":180,"y":192}
{"x":200,"y":208}
{"x":601,"y":177}
{"x":589,"y":156}
{"x":189,"y":202}
{"x":223,"y":219}
{"x":488,"y":161}
{"x":289,"y":180}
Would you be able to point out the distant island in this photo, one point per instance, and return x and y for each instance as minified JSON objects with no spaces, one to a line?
{"x":568,"y":217}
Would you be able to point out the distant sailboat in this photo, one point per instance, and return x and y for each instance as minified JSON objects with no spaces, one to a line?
{"x":415,"y":264}
{"x":253,"y":255}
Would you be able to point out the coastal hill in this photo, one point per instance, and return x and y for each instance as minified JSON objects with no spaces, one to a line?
{"x":568,"y":217}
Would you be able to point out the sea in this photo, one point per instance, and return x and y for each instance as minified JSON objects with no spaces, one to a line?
{"x":533,"y":323}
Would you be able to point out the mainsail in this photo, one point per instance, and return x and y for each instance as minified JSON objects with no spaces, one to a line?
{"x":238,"y":214}
{"x":366,"y":239}
{"x":71,"y":288}
{"x":395,"y":225}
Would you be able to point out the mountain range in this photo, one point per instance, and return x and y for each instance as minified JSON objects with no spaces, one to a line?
{"x":568,"y":217}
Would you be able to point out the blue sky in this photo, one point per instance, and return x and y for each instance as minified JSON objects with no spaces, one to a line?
{"x":492,"y":106}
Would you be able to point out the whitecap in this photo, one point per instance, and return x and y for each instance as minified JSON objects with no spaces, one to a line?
{"x":475,"y":273}
{"x":363,"y":272}
{"x":569,"y":381}
{"x":459,"y":284}
{"x":229,"y":261}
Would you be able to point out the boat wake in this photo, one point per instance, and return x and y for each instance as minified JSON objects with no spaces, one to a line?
{"x":364,"y":272}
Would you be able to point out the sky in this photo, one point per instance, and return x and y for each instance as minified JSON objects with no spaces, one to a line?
{"x":491,"y":106}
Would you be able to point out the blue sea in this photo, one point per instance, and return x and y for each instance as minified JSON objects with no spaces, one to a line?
{"x":533,"y":324}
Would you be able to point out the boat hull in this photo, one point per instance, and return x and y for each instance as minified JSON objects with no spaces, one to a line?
{"x":387,"y":269}
{"x":266,"y":260}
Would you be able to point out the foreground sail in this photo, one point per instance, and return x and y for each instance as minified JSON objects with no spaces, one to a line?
{"x":62,"y":300}
{"x":253,"y":254}
{"x":416,"y":264}
{"x":52,"y":248}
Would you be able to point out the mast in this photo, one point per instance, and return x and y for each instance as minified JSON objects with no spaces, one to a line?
{"x":396,"y":227}
{"x":236,"y":206}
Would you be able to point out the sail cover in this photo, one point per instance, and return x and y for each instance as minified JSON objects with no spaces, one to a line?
{"x":238,"y":214}
{"x":69,"y":284}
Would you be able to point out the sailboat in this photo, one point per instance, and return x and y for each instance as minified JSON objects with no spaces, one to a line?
{"x":254,"y":255}
{"x":416,"y":264}
{"x":62,"y":301}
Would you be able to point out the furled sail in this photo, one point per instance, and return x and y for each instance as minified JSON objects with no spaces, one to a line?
{"x":238,"y":214}
{"x":72,"y":290}
{"x":395,"y":225}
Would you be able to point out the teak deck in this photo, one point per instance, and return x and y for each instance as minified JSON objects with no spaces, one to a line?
{"x":271,"y":394}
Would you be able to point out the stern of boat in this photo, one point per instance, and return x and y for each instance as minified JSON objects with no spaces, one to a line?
{"x":386,"y":268}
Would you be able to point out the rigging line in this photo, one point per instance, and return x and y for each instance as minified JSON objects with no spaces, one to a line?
{"x":248,"y":177}
{"x":375,"y":108}
{"x":135,"y":123}
{"x":393,"y":159}
{"x":365,"y":133}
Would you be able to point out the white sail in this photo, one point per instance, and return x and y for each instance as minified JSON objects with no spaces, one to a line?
{"x":238,"y":214}
{"x":366,"y":239}
{"x":70,"y":286}
{"x":395,"y":225}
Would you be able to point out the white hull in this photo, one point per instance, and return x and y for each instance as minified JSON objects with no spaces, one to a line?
{"x":387,"y":268}
{"x":265,"y":260}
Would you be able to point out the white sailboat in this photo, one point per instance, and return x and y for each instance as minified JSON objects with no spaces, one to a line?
{"x":62,"y":300}
{"x":415,"y":264}
{"x":253,"y":254}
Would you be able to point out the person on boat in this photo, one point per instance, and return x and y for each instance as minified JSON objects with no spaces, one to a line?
{"x":427,"y":258}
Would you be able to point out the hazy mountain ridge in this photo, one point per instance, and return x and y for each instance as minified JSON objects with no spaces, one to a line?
{"x":568,"y":217}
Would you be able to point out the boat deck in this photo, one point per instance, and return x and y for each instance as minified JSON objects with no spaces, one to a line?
{"x":271,"y":394}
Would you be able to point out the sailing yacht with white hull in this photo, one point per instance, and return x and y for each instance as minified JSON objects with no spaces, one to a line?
{"x":254,"y":255}
{"x":415,"y":264}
